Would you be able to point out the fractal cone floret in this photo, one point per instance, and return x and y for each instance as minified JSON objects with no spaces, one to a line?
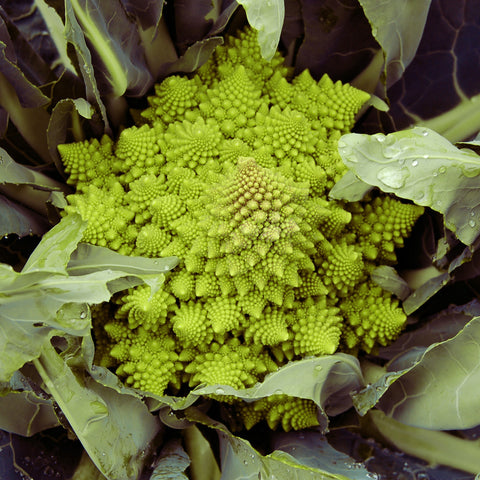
{"x":230,"y":170}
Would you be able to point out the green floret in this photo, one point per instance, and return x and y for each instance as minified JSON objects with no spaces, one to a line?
{"x":230,"y":171}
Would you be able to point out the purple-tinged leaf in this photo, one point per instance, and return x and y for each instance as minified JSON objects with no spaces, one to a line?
{"x":337,"y":39}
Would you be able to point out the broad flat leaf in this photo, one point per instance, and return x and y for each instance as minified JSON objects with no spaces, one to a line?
{"x":326,"y":380}
{"x":44,"y":299}
{"x":95,"y":260}
{"x":193,"y":20}
{"x":53,"y":252}
{"x":389,"y":279}
{"x":15,"y":218}
{"x":114,"y":43}
{"x":116,"y":442}
{"x":266,"y":17}
{"x":448,"y":369}
{"x":336,"y":39}
{"x":75,"y":37}
{"x":23,"y":410}
{"x":240,"y":460}
{"x":312,"y":449}
{"x":148,"y":13}
{"x":13,"y":58}
{"x":440,"y":81}
{"x":65,"y":114}
{"x":422,"y":166}
{"x":195,"y":56}
{"x":398,"y":28}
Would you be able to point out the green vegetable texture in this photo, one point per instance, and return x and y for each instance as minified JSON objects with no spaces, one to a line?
{"x":230,"y":170}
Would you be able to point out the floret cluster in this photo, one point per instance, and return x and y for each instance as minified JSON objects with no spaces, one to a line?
{"x":230,"y":169}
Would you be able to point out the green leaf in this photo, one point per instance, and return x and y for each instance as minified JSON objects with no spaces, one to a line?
{"x":415,"y":381}
{"x":327,"y":380}
{"x":48,"y":297}
{"x":116,"y":442}
{"x":388,"y":278}
{"x":115,"y":46}
{"x":15,"y":218}
{"x":23,"y":409}
{"x":53,"y":252}
{"x":240,"y":460}
{"x":311,"y":449}
{"x":195,"y":56}
{"x":266,"y":17}
{"x":67,"y":116}
{"x":398,"y":28}
{"x":422,"y":166}
{"x":95,"y":260}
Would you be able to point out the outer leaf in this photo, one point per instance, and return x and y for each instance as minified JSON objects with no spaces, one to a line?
{"x":13,"y":62}
{"x":115,"y":46}
{"x":101,"y":262}
{"x":15,"y":218}
{"x":33,"y":303}
{"x":337,"y":39}
{"x":398,"y":28}
{"x":311,"y":449}
{"x":193,"y":20}
{"x":240,"y":460}
{"x":66,"y":116}
{"x":148,"y":13}
{"x":421,"y":165}
{"x":23,"y":410}
{"x":193,"y":58}
{"x":449,"y":370}
{"x":266,"y":17}
{"x":75,"y":37}
{"x":326,"y":380}
{"x":55,"y":39}
{"x":439,"y":87}
{"x":117,"y":443}
{"x":388,"y":278}
{"x":53,"y":252}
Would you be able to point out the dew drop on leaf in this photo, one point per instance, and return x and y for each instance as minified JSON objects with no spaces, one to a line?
{"x":393,"y":177}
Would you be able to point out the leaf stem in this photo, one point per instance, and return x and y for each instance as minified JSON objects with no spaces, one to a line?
{"x":436,"y":447}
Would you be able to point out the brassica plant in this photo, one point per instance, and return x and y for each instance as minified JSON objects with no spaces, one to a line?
{"x":239,"y":239}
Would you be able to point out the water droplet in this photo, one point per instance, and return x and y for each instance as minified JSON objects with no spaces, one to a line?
{"x":472,"y":214}
{"x":380,"y":137}
{"x":472,"y":223}
{"x":425,"y":133}
{"x":391,"y":151}
{"x":83,"y":315}
{"x":414,"y":163}
{"x":393,"y":177}
{"x":156,"y":262}
{"x":278,"y":392}
{"x":341,"y":144}
{"x":318,"y":368}
{"x":220,"y":391}
{"x":426,"y":156}
{"x":419,"y":195}
{"x":421,"y":476}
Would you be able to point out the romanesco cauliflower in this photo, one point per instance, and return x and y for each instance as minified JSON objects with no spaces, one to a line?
{"x":230,"y":171}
